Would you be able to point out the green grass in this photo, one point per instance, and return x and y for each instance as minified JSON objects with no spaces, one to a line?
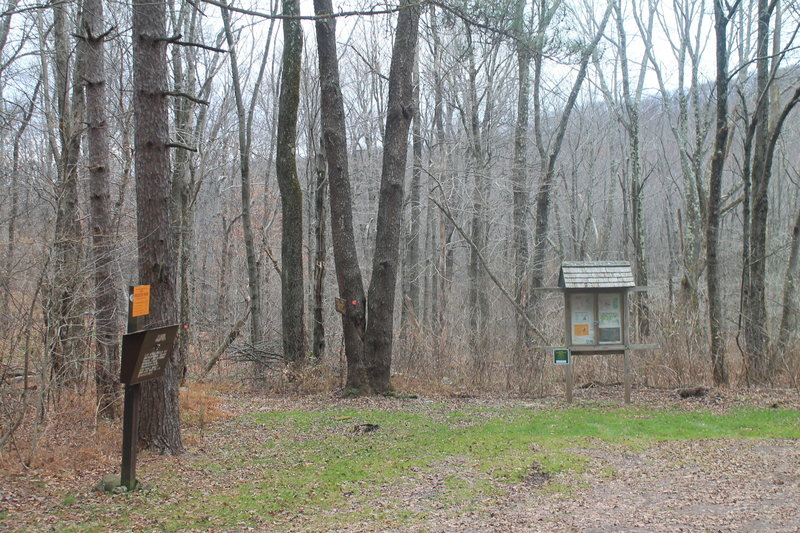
{"x":309,"y":468}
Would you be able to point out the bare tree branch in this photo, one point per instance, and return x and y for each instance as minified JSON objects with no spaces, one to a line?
{"x":521,"y":312}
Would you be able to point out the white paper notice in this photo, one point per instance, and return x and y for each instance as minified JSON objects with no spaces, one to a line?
{"x":582,"y":306}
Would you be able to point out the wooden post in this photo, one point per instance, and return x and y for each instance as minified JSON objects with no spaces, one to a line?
{"x":568,"y":372}
{"x":130,"y":413}
{"x":627,"y":365}
{"x":626,"y":355}
{"x":130,"y":433}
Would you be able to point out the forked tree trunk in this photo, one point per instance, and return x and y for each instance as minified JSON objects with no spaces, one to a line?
{"x":345,"y":254}
{"x":380,"y":330}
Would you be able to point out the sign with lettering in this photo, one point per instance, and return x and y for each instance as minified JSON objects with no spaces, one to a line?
{"x":145,"y":354}
{"x":582,"y":305}
{"x":561,"y":356}
{"x":140,"y":301}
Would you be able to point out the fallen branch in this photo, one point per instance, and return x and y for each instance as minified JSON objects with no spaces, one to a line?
{"x":229,"y":338}
{"x":520,"y":311}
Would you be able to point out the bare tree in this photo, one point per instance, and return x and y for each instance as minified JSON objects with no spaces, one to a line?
{"x":722,"y":15}
{"x":292,"y":315}
{"x":549,"y":152}
{"x":245,"y":129}
{"x":760,"y":141}
{"x":520,"y":180}
{"x":380,"y":300}
{"x":345,"y":253}
{"x":686,"y":34}
{"x":103,"y":240}
{"x":64,"y":298}
{"x":369,"y":354}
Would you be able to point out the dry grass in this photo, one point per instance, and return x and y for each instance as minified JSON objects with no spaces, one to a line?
{"x":61,"y":440}
{"x":199,"y":405}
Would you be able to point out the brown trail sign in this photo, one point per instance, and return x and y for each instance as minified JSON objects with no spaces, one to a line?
{"x":145,"y":355}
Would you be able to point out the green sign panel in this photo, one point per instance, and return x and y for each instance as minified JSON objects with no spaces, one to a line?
{"x":561,"y":356}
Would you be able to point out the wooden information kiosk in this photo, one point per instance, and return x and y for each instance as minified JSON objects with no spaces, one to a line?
{"x":596,"y":313}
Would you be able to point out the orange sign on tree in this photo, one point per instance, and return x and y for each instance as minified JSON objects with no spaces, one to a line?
{"x":141,"y":301}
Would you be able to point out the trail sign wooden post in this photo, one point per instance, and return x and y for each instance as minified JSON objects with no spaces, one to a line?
{"x":145,"y":355}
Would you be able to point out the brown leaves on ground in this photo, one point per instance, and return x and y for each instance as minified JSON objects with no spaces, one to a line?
{"x":696,"y":485}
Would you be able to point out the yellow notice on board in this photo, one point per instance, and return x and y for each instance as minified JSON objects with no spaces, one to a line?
{"x":141,"y":301}
{"x":581,"y":330}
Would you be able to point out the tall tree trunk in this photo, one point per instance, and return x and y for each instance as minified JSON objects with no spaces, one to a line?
{"x":254,"y":283}
{"x":477,"y":297}
{"x":292,"y":304}
{"x":411,"y":264}
{"x":788,"y":328}
{"x":715,"y":305}
{"x":159,"y":428}
{"x":66,"y":298}
{"x":103,"y":240}
{"x":637,"y":184}
{"x":321,"y":186}
{"x":519,"y":176}
{"x":764,"y":133}
{"x":756,"y":335}
{"x":345,"y":254}
{"x":379,"y":334}
{"x":183,"y":76}
{"x":444,"y":230}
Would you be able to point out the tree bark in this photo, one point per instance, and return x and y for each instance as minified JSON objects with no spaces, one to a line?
{"x":103,"y":240}
{"x":159,"y":428}
{"x":345,"y":255}
{"x":715,"y":305}
{"x":521,"y":187}
{"x":318,"y":334}
{"x":292,"y":303}
{"x":755,"y":308}
{"x":65,"y":307}
{"x":381,"y":296}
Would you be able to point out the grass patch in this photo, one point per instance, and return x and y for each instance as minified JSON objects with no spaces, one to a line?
{"x":311,"y":469}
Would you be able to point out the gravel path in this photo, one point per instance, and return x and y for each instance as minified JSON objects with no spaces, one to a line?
{"x":751,"y":486}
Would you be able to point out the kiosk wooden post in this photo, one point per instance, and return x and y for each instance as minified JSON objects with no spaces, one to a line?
{"x":569,"y":379}
{"x":596,"y":315}
{"x":596,"y":312}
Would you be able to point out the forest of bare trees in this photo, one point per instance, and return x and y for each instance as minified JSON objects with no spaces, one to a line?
{"x":423,"y":166}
